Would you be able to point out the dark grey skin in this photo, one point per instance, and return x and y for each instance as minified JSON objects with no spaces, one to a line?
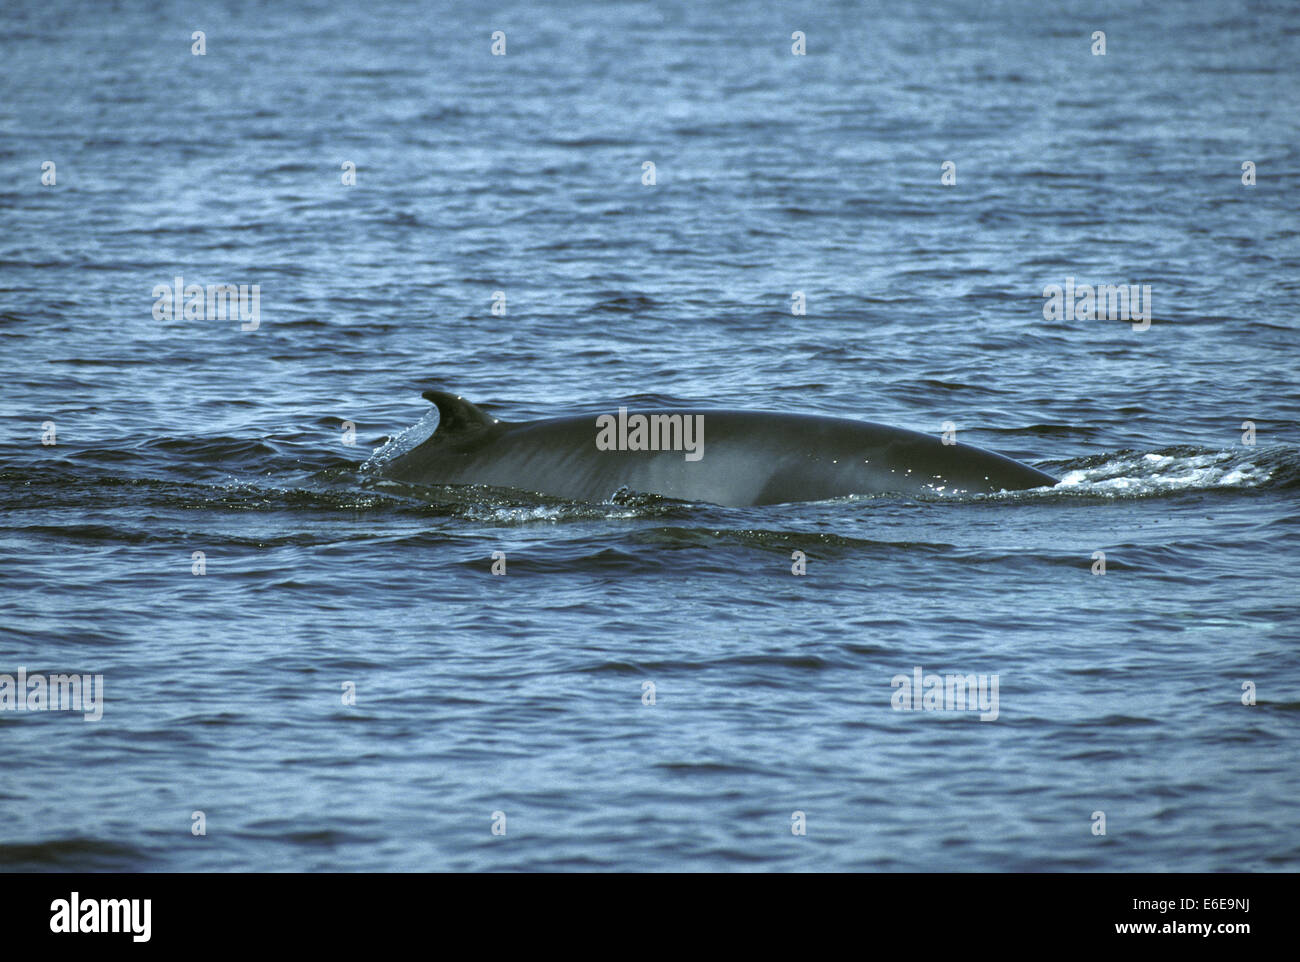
{"x":748,"y":458}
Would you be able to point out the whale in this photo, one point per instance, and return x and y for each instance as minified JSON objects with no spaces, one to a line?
{"x":721,"y":457}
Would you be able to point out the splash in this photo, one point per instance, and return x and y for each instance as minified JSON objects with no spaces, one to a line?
{"x":1137,"y":474}
{"x":404,"y":441}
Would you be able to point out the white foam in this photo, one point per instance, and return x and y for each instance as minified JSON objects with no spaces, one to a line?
{"x":1156,"y":473}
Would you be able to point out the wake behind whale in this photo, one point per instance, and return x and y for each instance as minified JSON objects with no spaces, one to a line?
{"x":732,"y":458}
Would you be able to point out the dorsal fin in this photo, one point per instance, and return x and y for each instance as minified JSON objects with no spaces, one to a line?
{"x":456,"y":415}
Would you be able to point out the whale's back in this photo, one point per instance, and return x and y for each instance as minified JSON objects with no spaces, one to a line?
{"x":722,"y":457}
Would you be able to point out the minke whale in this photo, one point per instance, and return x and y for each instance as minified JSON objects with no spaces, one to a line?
{"x":722,"y":457}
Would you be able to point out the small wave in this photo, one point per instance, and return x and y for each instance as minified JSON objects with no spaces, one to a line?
{"x":584,"y":143}
{"x":619,"y":303}
{"x":508,"y":506}
{"x":68,"y":854}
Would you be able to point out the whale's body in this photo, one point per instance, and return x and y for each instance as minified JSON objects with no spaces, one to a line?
{"x":745,"y":458}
